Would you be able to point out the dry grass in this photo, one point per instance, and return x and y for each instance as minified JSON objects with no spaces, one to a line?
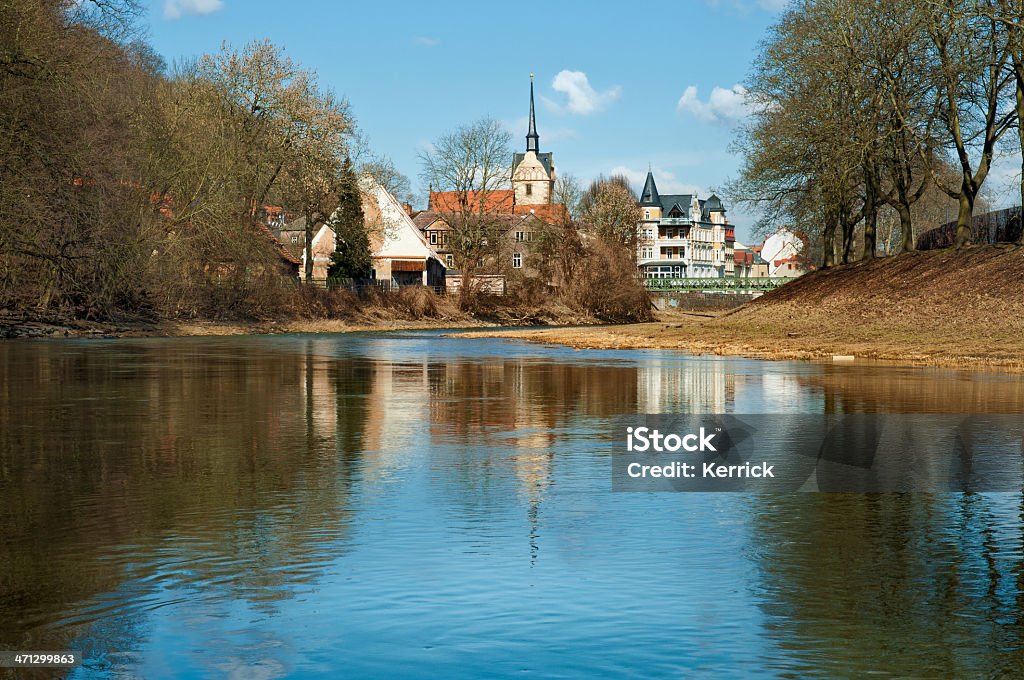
{"x":937,"y":308}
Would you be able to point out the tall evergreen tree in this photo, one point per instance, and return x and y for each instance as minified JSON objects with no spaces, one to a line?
{"x":351,"y":256}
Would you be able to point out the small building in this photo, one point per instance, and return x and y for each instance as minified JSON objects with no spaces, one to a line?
{"x":748,"y":262}
{"x":783,"y":251}
{"x":399,"y":251}
{"x":293,"y":239}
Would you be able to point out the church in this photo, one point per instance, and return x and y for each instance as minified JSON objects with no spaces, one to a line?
{"x":533,"y":172}
{"x":532,"y":180}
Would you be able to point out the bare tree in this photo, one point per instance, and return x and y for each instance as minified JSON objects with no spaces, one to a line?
{"x":970,"y":53}
{"x":471,"y":166}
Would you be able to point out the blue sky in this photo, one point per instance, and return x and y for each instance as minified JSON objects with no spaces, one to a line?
{"x":620,"y":85}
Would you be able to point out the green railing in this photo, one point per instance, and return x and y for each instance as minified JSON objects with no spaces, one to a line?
{"x":726,"y":283}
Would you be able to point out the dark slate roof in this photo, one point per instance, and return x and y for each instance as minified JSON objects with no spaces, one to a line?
{"x":649,"y":196}
{"x":668,"y":201}
{"x":544,"y":158}
{"x":713,"y":204}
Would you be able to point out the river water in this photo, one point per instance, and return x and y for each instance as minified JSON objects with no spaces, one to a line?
{"x":412,"y":505}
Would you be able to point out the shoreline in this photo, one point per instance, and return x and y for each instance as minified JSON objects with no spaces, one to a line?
{"x":701,"y":334}
{"x":697,"y":333}
{"x":40,"y":330}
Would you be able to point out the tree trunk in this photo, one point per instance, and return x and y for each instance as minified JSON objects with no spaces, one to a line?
{"x":1020,"y":136}
{"x":848,"y":229}
{"x":830,"y":244}
{"x":964,"y":217}
{"x":906,"y":228}
{"x":308,"y":246}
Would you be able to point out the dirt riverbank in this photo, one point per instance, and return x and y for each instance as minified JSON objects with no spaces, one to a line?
{"x":944,"y":308}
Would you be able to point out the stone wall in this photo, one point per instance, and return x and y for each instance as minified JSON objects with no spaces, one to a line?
{"x":700,"y":302}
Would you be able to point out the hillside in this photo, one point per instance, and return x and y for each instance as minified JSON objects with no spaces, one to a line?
{"x":940,"y":307}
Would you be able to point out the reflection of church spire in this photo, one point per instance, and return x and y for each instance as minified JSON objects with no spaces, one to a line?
{"x":532,"y":138}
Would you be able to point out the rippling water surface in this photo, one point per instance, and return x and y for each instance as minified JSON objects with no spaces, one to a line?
{"x":414,"y":505}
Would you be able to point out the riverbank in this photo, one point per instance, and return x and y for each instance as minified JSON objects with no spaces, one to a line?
{"x":939,"y":308}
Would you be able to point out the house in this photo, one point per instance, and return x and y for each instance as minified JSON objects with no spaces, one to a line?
{"x":400,"y":253}
{"x":783,"y":252}
{"x":682,"y":236}
{"x":293,"y":239}
{"x":748,"y":262}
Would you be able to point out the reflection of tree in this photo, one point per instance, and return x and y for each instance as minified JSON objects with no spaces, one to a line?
{"x":191,"y":462}
{"x":895,"y":389}
{"x":912,"y":584}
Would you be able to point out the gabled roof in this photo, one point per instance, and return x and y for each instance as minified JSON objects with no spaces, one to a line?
{"x":424,"y":218}
{"x":399,"y":237}
{"x":544,"y":158}
{"x":552,"y":213}
{"x":669,"y":201}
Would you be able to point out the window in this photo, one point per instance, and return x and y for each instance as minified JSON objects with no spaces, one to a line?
{"x":519,"y":237}
{"x":517,"y":260}
{"x":529,"y":189}
{"x":444,"y":237}
{"x":295,"y":238}
{"x":529,"y":236}
{"x":647,"y":214}
{"x":449,"y":261}
{"x":433,"y":238}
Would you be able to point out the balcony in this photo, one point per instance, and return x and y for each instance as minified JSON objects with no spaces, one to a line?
{"x":675,"y":221}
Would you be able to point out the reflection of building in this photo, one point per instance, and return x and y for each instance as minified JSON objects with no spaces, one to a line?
{"x":686,"y":386}
{"x":682,"y":236}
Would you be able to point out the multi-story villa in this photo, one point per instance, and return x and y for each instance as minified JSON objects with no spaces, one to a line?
{"x":682,"y":236}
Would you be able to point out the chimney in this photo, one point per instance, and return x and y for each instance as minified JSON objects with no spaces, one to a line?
{"x":407,"y":207}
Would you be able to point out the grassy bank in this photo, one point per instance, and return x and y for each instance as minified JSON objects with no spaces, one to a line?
{"x":948,"y":308}
{"x":310,"y":310}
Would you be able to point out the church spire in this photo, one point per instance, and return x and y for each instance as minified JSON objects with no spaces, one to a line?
{"x":532,"y":138}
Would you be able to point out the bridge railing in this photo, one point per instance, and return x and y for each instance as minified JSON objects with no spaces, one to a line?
{"x":725,"y":283}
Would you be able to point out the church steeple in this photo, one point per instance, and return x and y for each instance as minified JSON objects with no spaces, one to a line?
{"x":532,"y":138}
{"x":650,"y":195}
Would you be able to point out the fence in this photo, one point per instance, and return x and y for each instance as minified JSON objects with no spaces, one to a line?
{"x":725,"y":284}
{"x":998,"y":226}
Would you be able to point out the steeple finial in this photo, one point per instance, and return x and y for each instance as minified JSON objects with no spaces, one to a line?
{"x":532,"y":138}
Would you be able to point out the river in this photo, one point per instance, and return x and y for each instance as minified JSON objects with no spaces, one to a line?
{"x":409,"y":505}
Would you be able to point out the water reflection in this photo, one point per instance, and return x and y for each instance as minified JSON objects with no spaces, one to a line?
{"x":421,"y":497}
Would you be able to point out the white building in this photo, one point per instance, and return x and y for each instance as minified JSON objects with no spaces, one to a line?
{"x":681,"y":236}
{"x":782,"y":252}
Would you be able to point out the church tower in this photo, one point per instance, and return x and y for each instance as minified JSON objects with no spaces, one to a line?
{"x":533,"y":172}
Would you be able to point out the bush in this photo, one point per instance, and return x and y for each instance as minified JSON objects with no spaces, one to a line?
{"x":606,"y":285}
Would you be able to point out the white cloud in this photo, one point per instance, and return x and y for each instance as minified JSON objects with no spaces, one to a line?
{"x":724,"y":107}
{"x":426,"y":41}
{"x":175,"y":9}
{"x":583,"y":99}
{"x":666,"y":181}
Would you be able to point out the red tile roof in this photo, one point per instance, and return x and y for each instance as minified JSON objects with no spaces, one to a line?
{"x":552,"y":213}
{"x":499,"y":201}
{"x":496,"y":202}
